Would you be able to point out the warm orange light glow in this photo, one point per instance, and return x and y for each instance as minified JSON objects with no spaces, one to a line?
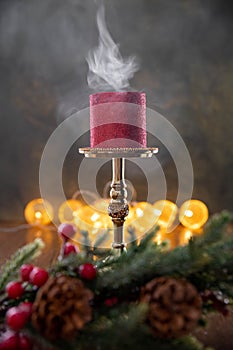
{"x":141,"y":217}
{"x":38,"y":215}
{"x":88,"y":218}
{"x":39,"y":211}
{"x":65,"y":211}
{"x":193,"y":214}
{"x":95,"y":220}
{"x":166,"y":212}
{"x":185,"y":236}
{"x":159,"y":238}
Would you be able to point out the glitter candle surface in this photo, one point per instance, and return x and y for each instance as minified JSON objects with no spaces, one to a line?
{"x":118,"y":120}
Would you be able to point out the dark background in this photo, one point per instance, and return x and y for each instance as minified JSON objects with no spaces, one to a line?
{"x":185,"y":49}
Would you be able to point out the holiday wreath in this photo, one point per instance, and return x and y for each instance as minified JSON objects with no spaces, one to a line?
{"x":150,"y":297}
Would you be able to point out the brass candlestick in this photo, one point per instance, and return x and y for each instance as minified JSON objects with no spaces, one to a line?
{"x":118,"y":208}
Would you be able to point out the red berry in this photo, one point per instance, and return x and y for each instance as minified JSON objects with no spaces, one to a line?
{"x":14,"y":289}
{"x":26,"y":307}
{"x":16,"y":318}
{"x":87,"y":271}
{"x":25,"y":271}
{"x":38,"y":276}
{"x":9,"y":341}
{"x":24,"y":342}
{"x":66,"y":230}
{"x":69,"y":248}
{"x":111,"y":301}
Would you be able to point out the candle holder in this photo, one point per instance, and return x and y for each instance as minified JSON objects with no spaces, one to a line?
{"x":118,"y":208}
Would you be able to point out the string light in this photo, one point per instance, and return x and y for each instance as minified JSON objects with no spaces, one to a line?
{"x":88,"y":218}
{"x":39,"y":211}
{"x":193,"y":214}
{"x":94,"y":218}
{"x":166,"y":212}
{"x":66,"y":210}
{"x":38,"y":215}
{"x":141,"y":218}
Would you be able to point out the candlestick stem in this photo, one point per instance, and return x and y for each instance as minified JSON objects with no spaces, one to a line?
{"x":118,"y":208}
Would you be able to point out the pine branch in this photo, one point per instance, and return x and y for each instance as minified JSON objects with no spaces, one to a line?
{"x":200,"y":261}
{"x":86,"y":243}
{"x":22,"y":256}
{"x":148,"y":237}
{"x":214,"y":228}
{"x":68,"y":264}
{"x":207,"y":262}
{"x":124,"y":328}
{"x":132,"y":233}
{"x":130,"y":270}
{"x":97,"y":251}
{"x":101,"y":239}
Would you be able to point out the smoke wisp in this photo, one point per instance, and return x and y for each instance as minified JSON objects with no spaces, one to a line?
{"x":107,"y":68}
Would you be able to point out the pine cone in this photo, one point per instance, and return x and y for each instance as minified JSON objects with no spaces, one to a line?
{"x":62,"y":307}
{"x":174,"y":306}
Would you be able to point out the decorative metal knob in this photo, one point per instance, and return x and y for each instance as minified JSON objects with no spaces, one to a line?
{"x":118,"y":208}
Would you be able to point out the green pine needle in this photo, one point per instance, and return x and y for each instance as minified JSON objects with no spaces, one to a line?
{"x":101,"y":239}
{"x":22,"y":256}
{"x":214,"y":229}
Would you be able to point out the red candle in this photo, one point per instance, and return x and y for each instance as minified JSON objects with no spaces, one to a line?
{"x":118,"y":120}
